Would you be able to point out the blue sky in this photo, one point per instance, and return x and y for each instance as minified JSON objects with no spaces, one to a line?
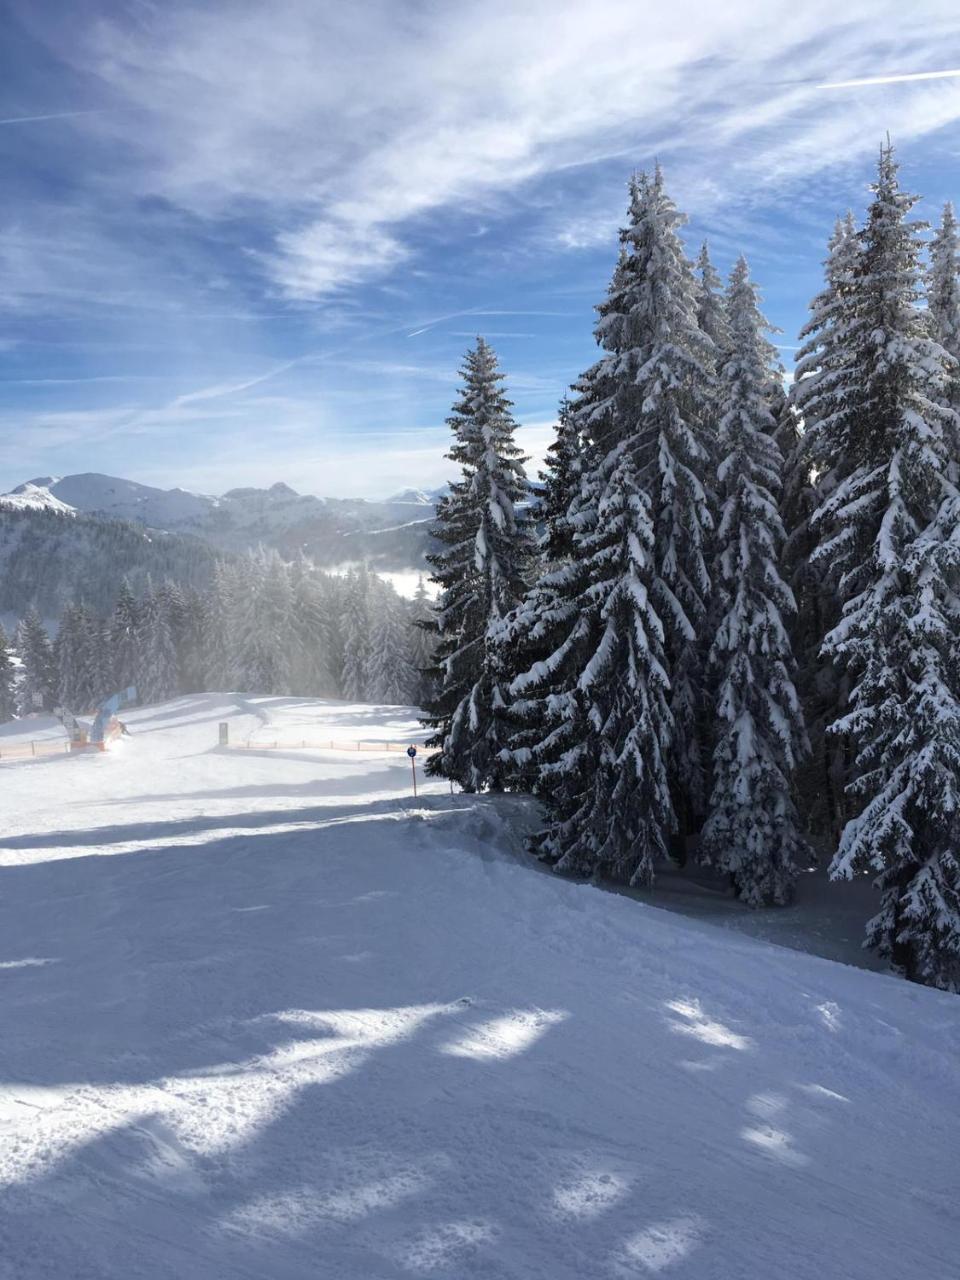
{"x":245,"y":242}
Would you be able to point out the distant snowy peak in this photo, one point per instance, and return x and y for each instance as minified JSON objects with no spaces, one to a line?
{"x":96,"y":494}
{"x":416,"y":497}
{"x":35,"y":495}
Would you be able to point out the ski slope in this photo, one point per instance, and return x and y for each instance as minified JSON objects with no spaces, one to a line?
{"x":265,"y":1016}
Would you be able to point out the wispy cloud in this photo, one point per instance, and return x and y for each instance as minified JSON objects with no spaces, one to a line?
{"x":52,"y":115}
{"x":348,"y":144}
{"x":891,"y":79}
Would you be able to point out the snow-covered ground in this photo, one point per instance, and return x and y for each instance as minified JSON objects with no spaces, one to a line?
{"x":264,"y":1015}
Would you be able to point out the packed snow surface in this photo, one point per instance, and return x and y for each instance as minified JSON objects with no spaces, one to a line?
{"x":265,"y":1015}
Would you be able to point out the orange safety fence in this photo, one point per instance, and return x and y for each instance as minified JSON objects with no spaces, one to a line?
{"x":300,"y":744}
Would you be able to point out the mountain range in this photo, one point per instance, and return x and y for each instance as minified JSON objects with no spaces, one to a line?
{"x":67,"y":522}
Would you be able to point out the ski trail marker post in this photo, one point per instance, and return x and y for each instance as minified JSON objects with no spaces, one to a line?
{"x":412,"y":753}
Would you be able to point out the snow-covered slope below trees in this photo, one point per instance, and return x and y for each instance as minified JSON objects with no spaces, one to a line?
{"x":266,"y":1015}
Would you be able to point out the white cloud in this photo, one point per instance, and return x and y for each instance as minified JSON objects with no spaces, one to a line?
{"x":347,"y":124}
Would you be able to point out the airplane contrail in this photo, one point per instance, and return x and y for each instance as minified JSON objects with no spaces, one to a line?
{"x":54,"y":115}
{"x":894,"y":79}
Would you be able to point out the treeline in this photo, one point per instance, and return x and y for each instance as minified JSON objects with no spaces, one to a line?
{"x":263,"y":627}
{"x":734,"y":635}
{"x":48,"y":559}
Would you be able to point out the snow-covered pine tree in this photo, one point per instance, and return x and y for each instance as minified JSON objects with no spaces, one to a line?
{"x":310,"y":673}
{"x":8,"y":700}
{"x":943,"y":306}
{"x":482,"y":572}
{"x":540,"y":621}
{"x":660,"y":363}
{"x":423,"y":642}
{"x":390,"y":676}
{"x":259,"y":624}
{"x":752,"y":830}
{"x":192,"y":642}
{"x":891,"y":528}
{"x":124,"y":637}
{"x":560,"y":480}
{"x":67,"y":660}
{"x":158,"y":666}
{"x":819,"y":416}
{"x":597,"y":729}
{"x":220,"y":608}
{"x":595,"y":721}
{"x":711,"y":305}
{"x":355,"y":630}
{"x":38,"y":678}
{"x":78,"y":677}
{"x":171,"y":601}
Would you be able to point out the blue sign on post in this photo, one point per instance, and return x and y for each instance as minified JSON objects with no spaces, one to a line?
{"x":412,"y":753}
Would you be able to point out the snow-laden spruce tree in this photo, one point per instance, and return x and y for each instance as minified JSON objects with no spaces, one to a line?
{"x":423,"y":643}
{"x":600,"y":724}
{"x":219,"y":607}
{"x":943,"y":304}
{"x":482,"y":571}
{"x":259,"y":626}
{"x":8,"y":701}
{"x":819,"y":419}
{"x":355,"y":630}
{"x":390,"y":674}
{"x":539,"y":623}
{"x":36,"y":689}
{"x":193,"y":659}
{"x":560,"y":481}
{"x":159,"y":671}
{"x":892,"y":538}
{"x":660,"y":364}
{"x":310,"y":612}
{"x":604,"y":712}
{"x":79,"y":659}
{"x":124,"y":626}
{"x":711,"y":304}
{"x":752,"y":829}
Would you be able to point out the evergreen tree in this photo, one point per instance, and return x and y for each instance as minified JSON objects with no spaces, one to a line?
{"x":310,"y":612}
{"x":539,"y":622}
{"x":390,"y":676}
{"x":889,"y":533}
{"x":124,"y":637}
{"x":822,"y":400}
{"x":660,"y":360}
{"x":172,"y":603}
{"x":597,"y":706}
{"x":158,"y":665}
{"x":78,"y":660}
{"x":193,"y":629}
{"x":8,"y":701}
{"x":260,"y":605}
{"x":481,"y":571}
{"x":561,"y":484}
{"x":710,"y":302}
{"x":752,"y":828}
{"x":600,"y":722}
{"x":423,"y":643}
{"x":356,"y":636}
{"x":943,"y":307}
{"x":217,"y":648}
{"x":38,"y":678}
